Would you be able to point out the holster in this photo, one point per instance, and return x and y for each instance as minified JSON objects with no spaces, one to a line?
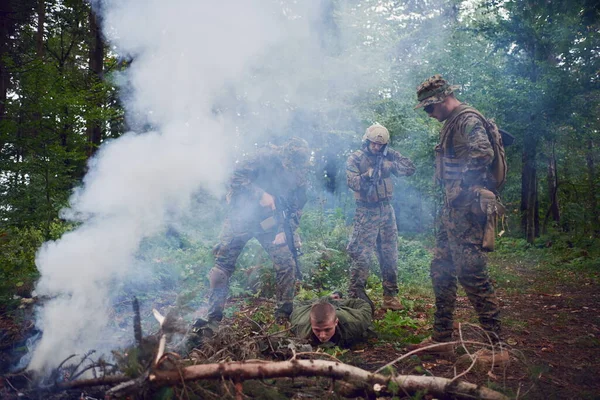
{"x":488,"y":205}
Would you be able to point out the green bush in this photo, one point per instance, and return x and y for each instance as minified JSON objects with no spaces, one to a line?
{"x":18,"y":247}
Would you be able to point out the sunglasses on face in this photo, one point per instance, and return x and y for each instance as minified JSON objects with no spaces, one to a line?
{"x":429,"y":109}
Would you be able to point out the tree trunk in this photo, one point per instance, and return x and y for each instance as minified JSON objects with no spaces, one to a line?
{"x":96,"y":63}
{"x":591,"y":167}
{"x":5,"y":30}
{"x":40,"y":29}
{"x":529,"y":190}
{"x":552,"y":177}
{"x":553,"y":187}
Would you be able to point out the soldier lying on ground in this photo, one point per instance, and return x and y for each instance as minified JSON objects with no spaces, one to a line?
{"x":329,"y":321}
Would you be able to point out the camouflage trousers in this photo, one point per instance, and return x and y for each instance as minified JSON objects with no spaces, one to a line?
{"x":233,"y":238}
{"x":458,"y":254}
{"x":374,"y":230}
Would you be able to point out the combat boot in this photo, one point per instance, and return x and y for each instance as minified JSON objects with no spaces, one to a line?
{"x":200,"y":331}
{"x":391,"y":303}
{"x":426,"y":347}
{"x":486,"y":359}
{"x":283,"y":312}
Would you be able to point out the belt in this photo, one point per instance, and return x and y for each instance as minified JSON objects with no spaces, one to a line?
{"x":372,"y":205}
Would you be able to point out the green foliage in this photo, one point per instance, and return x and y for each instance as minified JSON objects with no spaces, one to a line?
{"x":17,"y":257}
{"x":334,"y":351}
{"x":414,"y":260}
{"x":325,"y":261}
{"x":397,"y":326}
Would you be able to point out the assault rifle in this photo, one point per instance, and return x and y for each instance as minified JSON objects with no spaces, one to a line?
{"x":283,"y":214}
{"x":377,"y":170}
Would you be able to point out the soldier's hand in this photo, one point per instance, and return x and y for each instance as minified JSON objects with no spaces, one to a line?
{"x":386,"y":168}
{"x":279,"y":238}
{"x":368,"y":175}
{"x":267,"y":201}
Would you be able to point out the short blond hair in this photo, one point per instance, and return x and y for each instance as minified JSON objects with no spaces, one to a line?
{"x":322,"y":312}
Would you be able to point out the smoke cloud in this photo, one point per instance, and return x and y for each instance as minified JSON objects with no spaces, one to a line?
{"x":210,"y":79}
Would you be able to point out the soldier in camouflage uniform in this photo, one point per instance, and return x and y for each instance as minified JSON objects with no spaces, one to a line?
{"x":337,"y":322}
{"x":375,"y":222}
{"x":272,"y":172}
{"x":463,"y":158}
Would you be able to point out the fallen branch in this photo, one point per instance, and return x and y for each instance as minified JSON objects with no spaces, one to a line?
{"x":103,"y":381}
{"x":294,"y":368}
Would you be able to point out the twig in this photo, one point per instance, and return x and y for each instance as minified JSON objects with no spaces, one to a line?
{"x":10,"y":384}
{"x":64,"y":361}
{"x":85,"y":357}
{"x":410,"y":353}
{"x":105,"y":380}
{"x":137,"y":323}
{"x":163,"y":338}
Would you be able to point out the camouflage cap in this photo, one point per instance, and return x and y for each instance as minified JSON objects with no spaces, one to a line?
{"x":296,"y":152}
{"x":433,"y":90}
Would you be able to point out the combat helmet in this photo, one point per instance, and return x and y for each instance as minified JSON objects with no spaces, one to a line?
{"x":296,"y":152}
{"x":377,"y":133}
{"x":433,"y":90}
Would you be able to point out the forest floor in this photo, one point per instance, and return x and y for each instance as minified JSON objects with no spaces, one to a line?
{"x":551,"y":322}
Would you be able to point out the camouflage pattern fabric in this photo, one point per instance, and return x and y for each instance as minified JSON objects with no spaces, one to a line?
{"x":374,"y":227}
{"x":361,"y":161}
{"x":433,"y":90}
{"x":458,"y":255}
{"x":375,"y":230}
{"x":232,"y":241}
{"x":464,"y":143}
{"x":355,"y":323}
{"x":262,"y":173}
{"x":463,"y":157}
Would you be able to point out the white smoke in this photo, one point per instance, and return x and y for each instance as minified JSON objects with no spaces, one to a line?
{"x":208,"y":77}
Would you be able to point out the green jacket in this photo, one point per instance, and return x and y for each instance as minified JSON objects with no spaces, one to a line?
{"x":355,"y":322}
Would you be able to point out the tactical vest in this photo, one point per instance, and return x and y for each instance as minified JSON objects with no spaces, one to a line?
{"x":449,"y":166}
{"x":384,"y":189}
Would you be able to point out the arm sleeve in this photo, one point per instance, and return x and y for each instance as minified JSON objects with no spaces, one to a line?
{"x":300,"y":321}
{"x":244,"y":176}
{"x":360,"y":309}
{"x":401,"y":166}
{"x":356,"y":180}
{"x":480,"y":151}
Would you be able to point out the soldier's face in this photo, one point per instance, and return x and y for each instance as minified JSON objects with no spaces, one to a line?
{"x":438,"y":111}
{"x":324,"y":331}
{"x":375,"y":147}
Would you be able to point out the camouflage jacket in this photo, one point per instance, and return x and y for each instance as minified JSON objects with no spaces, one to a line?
{"x":355,"y":322}
{"x":463,"y":156}
{"x":264,"y":172}
{"x":358,"y":165}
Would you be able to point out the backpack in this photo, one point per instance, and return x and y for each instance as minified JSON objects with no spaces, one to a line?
{"x":499,"y":168}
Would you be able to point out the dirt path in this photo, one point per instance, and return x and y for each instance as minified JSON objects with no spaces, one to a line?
{"x":555,"y":323}
{"x":552,"y":323}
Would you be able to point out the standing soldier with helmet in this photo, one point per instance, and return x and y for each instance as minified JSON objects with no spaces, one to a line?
{"x":469,"y":164}
{"x":369,"y":174}
{"x":273,"y":178}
